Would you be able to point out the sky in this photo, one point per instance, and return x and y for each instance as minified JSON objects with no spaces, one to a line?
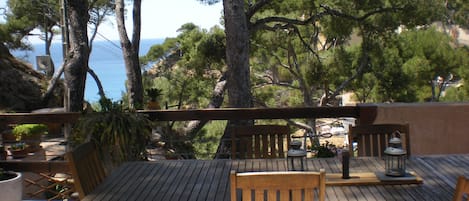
{"x":162,"y":18}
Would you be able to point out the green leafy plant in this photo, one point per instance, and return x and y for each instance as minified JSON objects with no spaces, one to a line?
{"x":154,"y":93}
{"x":5,"y":175}
{"x":18,"y":146}
{"x":326,"y":150}
{"x":122,"y":133}
{"x":28,"y":130}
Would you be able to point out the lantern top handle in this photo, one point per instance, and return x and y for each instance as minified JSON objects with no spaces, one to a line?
{"x":396,"y":133}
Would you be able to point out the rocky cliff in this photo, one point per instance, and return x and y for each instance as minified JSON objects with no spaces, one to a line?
{"x":21,"y":87}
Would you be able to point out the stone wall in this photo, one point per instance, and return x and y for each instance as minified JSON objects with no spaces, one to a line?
{"x":435,"y":128}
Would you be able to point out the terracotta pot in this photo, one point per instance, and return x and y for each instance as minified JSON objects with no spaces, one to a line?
{"x":153,"y":105}
{"x":32,"y":141}
{"x":19,"y":153}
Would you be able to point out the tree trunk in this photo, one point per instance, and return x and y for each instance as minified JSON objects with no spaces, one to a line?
{"x":237,"y":54}
{"x":76,"y":63}
{"x":237,"y":59}
{"x":130,"y":50}
{"x":216,"y":101}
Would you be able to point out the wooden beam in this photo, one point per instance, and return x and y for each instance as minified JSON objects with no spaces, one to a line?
{"x":52,"y":117}
{"x":35,"y":166}
{"x":252,"y":113}
{"x":199,"y":114}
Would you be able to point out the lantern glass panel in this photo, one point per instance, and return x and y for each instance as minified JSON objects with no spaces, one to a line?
{"x":395,"y":165}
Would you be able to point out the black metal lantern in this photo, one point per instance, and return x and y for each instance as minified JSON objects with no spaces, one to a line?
{"x":296,"y":157}
{"x":395,"y":157}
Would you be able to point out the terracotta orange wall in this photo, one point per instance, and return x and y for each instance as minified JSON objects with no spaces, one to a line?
{"x":435,"y":128}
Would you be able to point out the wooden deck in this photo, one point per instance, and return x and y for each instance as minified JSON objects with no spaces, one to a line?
{"x":209,"y":180}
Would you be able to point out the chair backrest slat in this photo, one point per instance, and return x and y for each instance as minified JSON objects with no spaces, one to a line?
{"x":462,"y":187}
{"x":287,"y":185}
{"x":87,"y":168}
{"x":373,"y":139}
{"x":259,"y":141}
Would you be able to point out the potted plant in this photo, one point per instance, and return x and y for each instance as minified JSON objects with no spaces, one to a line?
{"x":19,"y":150}
{"x":122,"y":133}
{"x":11,"y":185}
{"x":30,"y":134}
{"x":154,"y":94}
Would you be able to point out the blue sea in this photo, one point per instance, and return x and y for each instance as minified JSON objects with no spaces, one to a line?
{"x":106,"y":61}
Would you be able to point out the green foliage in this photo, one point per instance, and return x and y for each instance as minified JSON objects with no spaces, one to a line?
{"x":154,"y":93}
{"x":121,"y":132}
{"x":6,"y":175}
{"x":456,"y":94}
{"x":326,"y":150}
{"x":18,"y":146}
{"x":404,"y":65}
{"x":458,"y":12}
{"x":29,"y":130}
{"x":188,"y":82}
{"x":206,"y":141}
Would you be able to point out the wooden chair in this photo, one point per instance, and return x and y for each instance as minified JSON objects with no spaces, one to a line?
{"x":259,"y":141}
{"x":283,"y":186}
{"x":462,"y":187}
{"x":374,"y":138}
{"x":86,"y":167}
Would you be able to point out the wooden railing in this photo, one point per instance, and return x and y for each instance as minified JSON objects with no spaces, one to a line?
{"x":362,"y":112}
{"x":46,"y":169}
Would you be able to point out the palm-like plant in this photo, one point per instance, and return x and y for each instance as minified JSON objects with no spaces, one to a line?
{"x":154,"y":94}
{"x":122,"y":133}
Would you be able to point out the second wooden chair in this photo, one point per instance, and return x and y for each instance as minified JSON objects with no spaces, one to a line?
{"x":373,"y":139}
{"x":259,"y":141}
{"x":87,"y":168}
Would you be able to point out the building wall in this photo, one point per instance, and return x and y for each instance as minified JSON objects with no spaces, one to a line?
{"x":435,"y":128}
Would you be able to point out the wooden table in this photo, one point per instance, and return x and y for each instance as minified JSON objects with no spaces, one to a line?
{"x":209,"y":180}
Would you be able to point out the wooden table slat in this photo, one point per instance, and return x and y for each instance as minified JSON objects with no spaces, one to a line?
{"x":209,"y":180}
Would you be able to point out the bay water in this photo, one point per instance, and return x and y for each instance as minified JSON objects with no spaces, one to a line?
{"x":106,"y":60}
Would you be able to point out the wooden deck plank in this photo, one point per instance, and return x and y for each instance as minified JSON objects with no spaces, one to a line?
{"x":209,"y":180}
{"x":192,"y":180}
{"x":133,"y":183}
{"x":338,"y":189}
{"x":429,"y":182}
{"x":218,"y":177}
{"x":144,"y":173}
{"x":158,"y":185}
{"x":168,"y":184}
{"x":111,"y":182}
{"x":377,"y":165}
{"x":119,"y":188}
{"x":153,"y":176}
{"x":337,"y":193}
{"x":108,"y":182}
{"x":224,"y":186}
{"x":180,"y":184}
{"x":447,"y":166}
{"x":199,"y":183}
{"x":431,"y":176}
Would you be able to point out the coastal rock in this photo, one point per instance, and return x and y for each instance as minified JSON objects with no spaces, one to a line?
{"x":20,"y":85}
